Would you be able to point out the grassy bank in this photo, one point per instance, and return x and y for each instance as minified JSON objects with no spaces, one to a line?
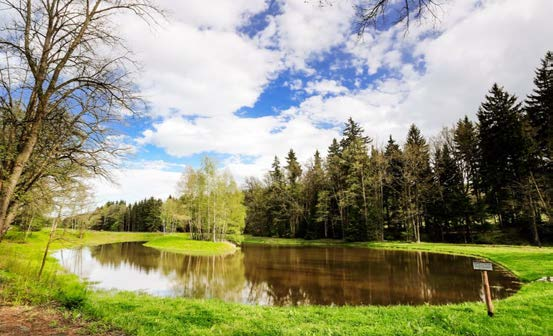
{"x":180,"y":243}
{"x":526,"y":313}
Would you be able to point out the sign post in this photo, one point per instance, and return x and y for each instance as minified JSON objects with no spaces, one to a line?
{"x":484,"y":267}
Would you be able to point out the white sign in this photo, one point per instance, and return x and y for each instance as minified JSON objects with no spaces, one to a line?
{"x":482,"y":266}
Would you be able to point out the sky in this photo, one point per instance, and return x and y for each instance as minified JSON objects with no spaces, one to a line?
{"x":244,"y":80}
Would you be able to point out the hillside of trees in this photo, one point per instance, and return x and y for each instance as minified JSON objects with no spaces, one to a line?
{"x":491,"y":174}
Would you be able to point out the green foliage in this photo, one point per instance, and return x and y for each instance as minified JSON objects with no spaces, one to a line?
{"x":212,"y":201}
{"x":71,"y":295}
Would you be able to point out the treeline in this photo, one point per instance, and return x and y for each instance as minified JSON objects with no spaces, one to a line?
{"x":210,"y":207}
{"x":142,"y":216}
{"x":495,"y":172}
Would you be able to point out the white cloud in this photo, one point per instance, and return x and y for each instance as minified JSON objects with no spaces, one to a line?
{"x":189,"y":71}
{"x":218,"y":15}
{"x":502,"y":41}
{"x":134,"y":184}
{"x":324,"y":87}
{"x":306,"y":29}
{"x":266,"y":136}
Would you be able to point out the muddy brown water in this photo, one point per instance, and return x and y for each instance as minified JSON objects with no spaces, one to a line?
{"x":276,"y":275}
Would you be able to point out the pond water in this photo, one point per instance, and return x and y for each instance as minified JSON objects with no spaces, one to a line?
{"x":270,"y":275}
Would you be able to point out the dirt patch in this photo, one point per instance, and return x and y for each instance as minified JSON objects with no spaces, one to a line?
{"x":47,"y":321}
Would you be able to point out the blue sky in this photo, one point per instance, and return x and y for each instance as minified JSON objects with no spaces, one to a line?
{"x":245,"y":80}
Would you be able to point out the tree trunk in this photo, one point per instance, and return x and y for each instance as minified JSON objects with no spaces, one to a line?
{"x":50,"y":238}
{"x":533,"y":216}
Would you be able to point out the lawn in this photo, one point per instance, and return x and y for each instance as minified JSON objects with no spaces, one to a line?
{"x":526,"y":313}
{"x":180,"y":243}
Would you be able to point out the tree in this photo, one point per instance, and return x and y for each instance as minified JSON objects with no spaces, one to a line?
{"x":417,"y":180}
{"x":539,"y":111}
{"x":393,"y":188}
{"x":257,"y":215}
{"x":356,"y":199}
{"x":448,"y":205}
{"x":336,"y":181}
{"x":64,"y":191}
{"x":293,"y":190}
{"x":539,"y":115}
{"x":316,"y":197}
{"x":58,"y":94}
{"x":213,"y":202}
{"x":504,"y":152}
{"x":277,"y":201}
{"x":375,"y":13}
{"x":173,"y":215}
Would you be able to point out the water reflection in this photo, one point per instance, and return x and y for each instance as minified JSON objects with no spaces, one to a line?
{"x":289,"y":275}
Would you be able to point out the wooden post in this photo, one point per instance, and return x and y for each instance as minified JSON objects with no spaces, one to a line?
{"x":487,"y":293}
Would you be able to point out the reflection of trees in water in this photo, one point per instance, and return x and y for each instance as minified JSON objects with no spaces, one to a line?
{"x":360,"y":276}
{"x":192,"y":276}
{"x":72,"y":260}
{"x":206,"y":276}
{"x":133,"y":254}
{"x":311,"y":275}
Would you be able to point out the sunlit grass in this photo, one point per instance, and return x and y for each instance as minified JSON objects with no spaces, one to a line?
{"x":179,"y":243}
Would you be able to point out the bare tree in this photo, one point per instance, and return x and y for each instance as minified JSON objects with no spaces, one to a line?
{"x":375,"y":13}
{"x":383,"y":13}
{"x":65,"y":75}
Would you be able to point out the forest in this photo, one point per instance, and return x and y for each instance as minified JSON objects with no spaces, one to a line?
{"x":493,"y":174}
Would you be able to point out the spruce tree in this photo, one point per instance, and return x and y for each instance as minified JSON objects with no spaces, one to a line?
{"x":417,"y":181}
{"x":293,"y":190}
{"x":278,"y":203}
{"x":504,"y":152}
{"x":356,"y":200}
{"x":334,"y":163}
{"x":392,"y":188}
{"x":539,"y":110}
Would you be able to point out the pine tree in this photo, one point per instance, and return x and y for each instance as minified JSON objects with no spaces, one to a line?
{"x":539,"y":115}
{"x":448,"y":210}
{"x":293,"y":190}
{"x":504,"y":152}
{"x":393,"y":188}
{"x":337,"y":195}
{"x":417,"y":180}
{"x":317,"y":201}
{"x":356,"y":199}
{"x":539,"y":110}
{"x":278,"y":203}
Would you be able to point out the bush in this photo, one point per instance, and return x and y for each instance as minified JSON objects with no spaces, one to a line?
{"x":72,"y":295}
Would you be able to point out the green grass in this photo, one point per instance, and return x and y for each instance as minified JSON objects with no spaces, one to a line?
{"x":526,"y":313}
{"x":180,"y":243}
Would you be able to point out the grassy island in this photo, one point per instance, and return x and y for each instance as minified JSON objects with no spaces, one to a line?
{"x":180,"y":243}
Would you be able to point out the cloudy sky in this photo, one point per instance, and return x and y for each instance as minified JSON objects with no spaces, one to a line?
{"x":245,"y":80}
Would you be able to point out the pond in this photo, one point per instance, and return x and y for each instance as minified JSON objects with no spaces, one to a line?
{"x":271,"y":275}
